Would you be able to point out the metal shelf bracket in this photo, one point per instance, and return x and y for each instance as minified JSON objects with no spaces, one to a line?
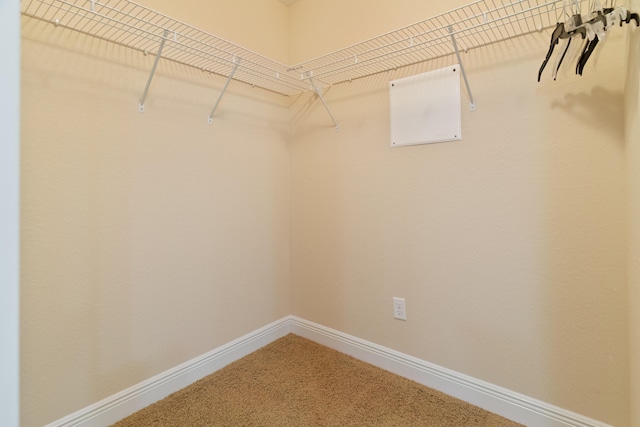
{"x":153,"y":71}
{"x":318,"y":90}
{"x":236,"y":62}
{"x":472,"y":104}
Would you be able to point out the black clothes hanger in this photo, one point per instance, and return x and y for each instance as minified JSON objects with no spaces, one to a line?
{"x":586,"y":53}
{"x":593,"y":30}
{"x":555,"y":38}
{"x":559,"y":33}
{"x":632,"y":16}
{"x":592,"y":44}
{"x":561,"y":58}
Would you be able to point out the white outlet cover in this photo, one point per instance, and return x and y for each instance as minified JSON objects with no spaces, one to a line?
{"x":399,"y":308}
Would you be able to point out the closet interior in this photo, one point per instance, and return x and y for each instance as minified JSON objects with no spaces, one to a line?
{"x":511,"y":239}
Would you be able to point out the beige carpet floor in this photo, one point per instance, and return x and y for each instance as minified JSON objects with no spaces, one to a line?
{"x":296,"y":382}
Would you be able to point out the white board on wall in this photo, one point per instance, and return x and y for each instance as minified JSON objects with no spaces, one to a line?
{"x":425,"y":108}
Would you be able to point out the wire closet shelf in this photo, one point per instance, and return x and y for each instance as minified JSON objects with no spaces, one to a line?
{"x":129,"y":24}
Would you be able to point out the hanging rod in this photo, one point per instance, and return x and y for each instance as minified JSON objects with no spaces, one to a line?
{"x":126,"y":23}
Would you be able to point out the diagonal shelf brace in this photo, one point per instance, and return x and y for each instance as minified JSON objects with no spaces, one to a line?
{"x":153,"y":71}
{"x":472,"y":103}
{"x":224,"y":89}
{"x":318,"y":90}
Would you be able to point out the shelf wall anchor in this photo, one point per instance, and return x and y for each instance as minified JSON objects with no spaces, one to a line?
{"x":153,"y":71}
{"x":472,"y":103}
{"x":318,"y":90}
{"x":224,"y":89}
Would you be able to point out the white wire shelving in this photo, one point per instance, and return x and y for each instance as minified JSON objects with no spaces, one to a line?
{"x":477,"y":24}
{"x":129,"y":24}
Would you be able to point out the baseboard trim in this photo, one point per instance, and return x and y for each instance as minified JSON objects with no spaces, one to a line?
{"x":507,"y":403}
{"x":133,"y":399}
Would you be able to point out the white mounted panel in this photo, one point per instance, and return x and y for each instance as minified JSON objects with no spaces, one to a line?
{"x":425,"y":108}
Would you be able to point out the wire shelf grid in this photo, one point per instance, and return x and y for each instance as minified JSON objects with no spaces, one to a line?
{"x":129,"y":24}
{"x":477,"y":24}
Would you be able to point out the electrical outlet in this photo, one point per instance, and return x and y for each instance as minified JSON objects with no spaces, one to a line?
{"x":399,"y":308}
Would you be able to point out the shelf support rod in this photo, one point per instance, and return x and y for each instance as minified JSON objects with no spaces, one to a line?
{"x":472,"y":103}
{"x":224,"y":89}
{"x":318,"y":91}
{"x":153,"y":71}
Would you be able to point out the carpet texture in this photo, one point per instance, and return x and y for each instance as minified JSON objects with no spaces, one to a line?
{"x":296,"y":382}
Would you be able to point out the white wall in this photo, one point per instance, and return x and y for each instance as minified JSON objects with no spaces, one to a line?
{"x":259,"y":25}
{"x":148,"y":239}
{"x":632,"y":114}
{"x":314,"y":32}
{"x":9,"y":205}
{"x":509,"y":246}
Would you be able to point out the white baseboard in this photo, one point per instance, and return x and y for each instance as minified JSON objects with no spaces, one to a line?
{"x":509,"y":404}
{"x":133,"y":399}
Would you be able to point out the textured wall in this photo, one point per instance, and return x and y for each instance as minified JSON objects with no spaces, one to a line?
{"x":259,"y":25}
{"x":147,"y":239}
{"x":509,"y":246}
{"x":318,"y":28}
